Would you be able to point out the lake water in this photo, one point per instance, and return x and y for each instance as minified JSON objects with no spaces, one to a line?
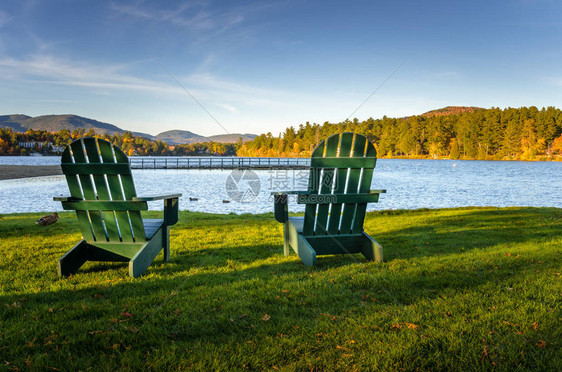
{"x":410,"y":184}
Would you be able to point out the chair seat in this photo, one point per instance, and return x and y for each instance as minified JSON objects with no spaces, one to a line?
{"x":151,"y":226}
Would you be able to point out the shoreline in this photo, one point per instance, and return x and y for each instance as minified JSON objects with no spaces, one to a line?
{"x":12,"y":172}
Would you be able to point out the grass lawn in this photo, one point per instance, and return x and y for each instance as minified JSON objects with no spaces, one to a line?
{"x":460,"y":289}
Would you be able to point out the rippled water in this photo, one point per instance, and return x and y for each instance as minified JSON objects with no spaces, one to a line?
{"x":410,"y":184}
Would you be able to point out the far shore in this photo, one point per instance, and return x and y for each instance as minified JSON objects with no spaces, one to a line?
{"x":8,"y":172}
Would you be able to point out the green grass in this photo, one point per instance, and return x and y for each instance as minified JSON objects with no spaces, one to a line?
{"x":461,"y":289}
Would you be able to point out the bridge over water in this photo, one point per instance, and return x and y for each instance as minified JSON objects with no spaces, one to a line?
{"x":217,"y":162}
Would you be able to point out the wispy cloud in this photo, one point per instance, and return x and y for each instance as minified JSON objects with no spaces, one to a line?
{"x":46,"y":46}
{"x":4,"y":18}
{"x":176,"y":16}
{"x":228,"y":108}
{"x":554,"y":81}
{"x":194,"y":15}
{"x":213,"y":90}
{"x":445,"y":75}
{"x":55,"y":70}
{"x":198,"y":17}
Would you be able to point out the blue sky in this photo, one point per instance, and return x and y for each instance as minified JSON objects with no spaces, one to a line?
{"x":262,"y":66}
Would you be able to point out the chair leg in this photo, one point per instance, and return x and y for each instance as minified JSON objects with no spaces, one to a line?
{"x":306,"y":253}
{"x":71,"y":261}
{"x":371,"y":249}
{"x":166,"y":242}
{"x":286,"y":247}
{"x":146,"y":255}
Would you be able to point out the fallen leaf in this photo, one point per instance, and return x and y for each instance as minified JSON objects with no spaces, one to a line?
{"x":541,"y":344}
{"x":133,"y":329}
{"x":265,"y":317}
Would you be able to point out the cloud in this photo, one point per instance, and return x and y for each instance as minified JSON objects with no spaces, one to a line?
{"x":4,"y":18}
{"x":55,"y":70}
{"x":193,"y":15}
{"x":229,"y":108}
{"x":554,"y":81}
{"x":198,"y":17}
{"x":445,"y":75}
{"x":208,"y":88}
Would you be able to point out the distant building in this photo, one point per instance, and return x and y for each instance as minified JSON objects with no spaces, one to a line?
{"x":31,"y":145}
{"x":56,"y":148}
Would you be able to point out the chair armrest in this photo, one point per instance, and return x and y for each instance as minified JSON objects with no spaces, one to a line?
{"x":66,"y":198}
{"x":171,"y":206}
{"x":377,"y":191}
{"x":281,"y":203}
{"x":155,"y":197}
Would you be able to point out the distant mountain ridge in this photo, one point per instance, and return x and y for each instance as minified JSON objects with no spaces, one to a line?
{"x":175,"y":137}
{"x":451,"y":110}
{"x":54,"y":123}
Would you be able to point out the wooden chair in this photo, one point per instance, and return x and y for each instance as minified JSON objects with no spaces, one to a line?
{"x":341,"y":170}
{"x":103,"y":195}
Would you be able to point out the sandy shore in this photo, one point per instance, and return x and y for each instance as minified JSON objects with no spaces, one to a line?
{"x":8,"y":172}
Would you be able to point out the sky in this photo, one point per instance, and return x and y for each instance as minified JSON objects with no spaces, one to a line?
{"x":261,"y":66}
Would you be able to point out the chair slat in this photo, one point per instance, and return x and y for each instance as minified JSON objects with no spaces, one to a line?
{"x":130,"y":192}
{"x":340,"y":181}
{"x":313,"y":187}
{"x":310,"y":209}
{"x":326,"y":183}
{"x":353,"y":184}
{"x":88,"y":190}
{"x":76,"y":191}
{"x":364,"y":186}
{"x":116,"y":191}
{"x":101,"y":188}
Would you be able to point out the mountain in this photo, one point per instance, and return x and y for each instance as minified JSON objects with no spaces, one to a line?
{"x":175,"y":137}
{"x":13,"y":122}
{"x":451,"y":110}
{"x":54,"y":123}
{"x":232,"y":137}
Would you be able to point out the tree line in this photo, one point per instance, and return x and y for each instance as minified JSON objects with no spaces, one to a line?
{"x":13,"y":143}
{"x":524,"y":133}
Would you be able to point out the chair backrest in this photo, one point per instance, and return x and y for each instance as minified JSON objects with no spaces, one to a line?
{"x":341,"y":164}
{"x":99,"y":174}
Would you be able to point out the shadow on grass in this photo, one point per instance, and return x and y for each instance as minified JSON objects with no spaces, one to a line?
{"x":224,"y":270}
{"x":231,"y":292}
{"x":464,"y":230}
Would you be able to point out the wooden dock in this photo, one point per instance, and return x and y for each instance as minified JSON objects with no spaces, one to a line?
{"x":217,"y":162}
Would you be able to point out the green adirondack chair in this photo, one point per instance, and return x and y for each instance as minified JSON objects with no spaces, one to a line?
{"x":103,"y":195}
{"x":341,"y":170}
